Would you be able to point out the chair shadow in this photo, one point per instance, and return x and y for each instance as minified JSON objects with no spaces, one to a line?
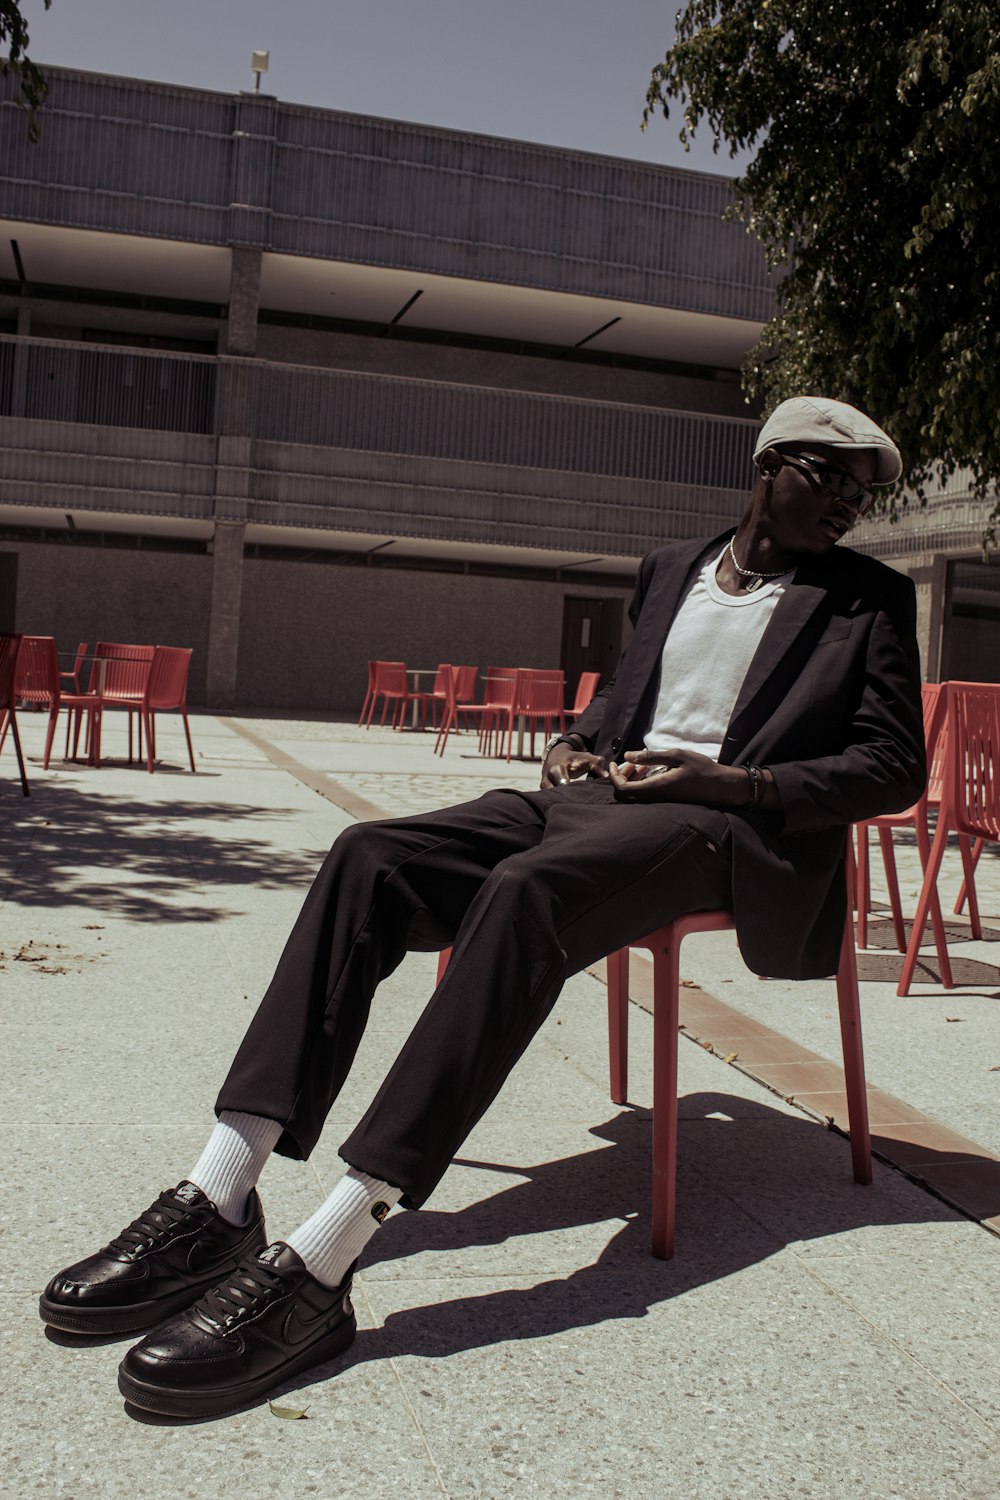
{"x":719,"y":1159}
{"x":614,"y":1182}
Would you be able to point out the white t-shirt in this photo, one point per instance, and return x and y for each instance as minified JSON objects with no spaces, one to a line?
{"x":707,"y":653}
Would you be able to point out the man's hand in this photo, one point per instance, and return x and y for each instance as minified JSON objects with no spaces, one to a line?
{"x":564,"y":764}
{"x":677,"y":776}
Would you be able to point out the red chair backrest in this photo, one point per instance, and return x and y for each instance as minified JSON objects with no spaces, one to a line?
{"x":439,"y":687}
{"x":501,"y":685}
{"x":934,"y":740}
{"x":390,"y":678}
{"x":126,"y":670}
{"x":466,"y":685}
{"x":168,"y":674}
{"x":585,"y":690}
{"x":971,"y":792}
{"x":37,"y":676}
{"x":542,"y":693}
{"x":10,"y":646}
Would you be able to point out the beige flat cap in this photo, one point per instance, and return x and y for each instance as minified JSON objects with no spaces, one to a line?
{"x":817,"y":419}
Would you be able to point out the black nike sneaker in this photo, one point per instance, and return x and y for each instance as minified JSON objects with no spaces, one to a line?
{"x":267,"y":1321}
{"x":180,"y":1247}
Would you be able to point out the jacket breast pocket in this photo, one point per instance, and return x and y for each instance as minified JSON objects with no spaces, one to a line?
{"x":837,"y":630}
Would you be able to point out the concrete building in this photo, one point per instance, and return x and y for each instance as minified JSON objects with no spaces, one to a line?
{"x":299,"y":388}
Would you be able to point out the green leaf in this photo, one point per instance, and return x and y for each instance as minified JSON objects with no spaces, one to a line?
{"x":290,"y":1413}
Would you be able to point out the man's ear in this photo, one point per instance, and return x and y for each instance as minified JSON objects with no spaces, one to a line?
{"x":770,"y":463}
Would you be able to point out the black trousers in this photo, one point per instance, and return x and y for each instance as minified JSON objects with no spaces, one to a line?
{"x":530,"y":887}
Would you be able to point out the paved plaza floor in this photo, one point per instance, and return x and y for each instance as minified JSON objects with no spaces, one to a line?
{"x":811,"y":1339}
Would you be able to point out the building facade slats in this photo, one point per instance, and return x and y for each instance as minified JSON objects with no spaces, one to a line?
{"x":143,"y":159}
{"x":88,"y":427}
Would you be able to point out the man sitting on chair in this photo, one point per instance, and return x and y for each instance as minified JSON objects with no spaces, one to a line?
{"x":769,"y":698}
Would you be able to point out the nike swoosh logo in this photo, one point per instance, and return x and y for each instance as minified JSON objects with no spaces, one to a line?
{"x":202,"y":1261}
{"x":298,"y":1329}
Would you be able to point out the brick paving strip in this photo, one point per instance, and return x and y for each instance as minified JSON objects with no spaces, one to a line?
{"x":959,"y":1171}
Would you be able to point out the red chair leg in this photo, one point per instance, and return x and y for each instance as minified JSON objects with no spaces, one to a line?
{"x":977,"y":850}
{"x":848,"y":1003}
{"x":969,"y":886}
{"x":144,"y":721}
{"x":924,"y":905}
{"x":50,"y":735}
{"x":892,"y":881}
{"x":618,"y":967}
{"x":666,"y":1003}
{"x":937,"y":920}
{"x":12,"y":724}
{"x":862,"y":886}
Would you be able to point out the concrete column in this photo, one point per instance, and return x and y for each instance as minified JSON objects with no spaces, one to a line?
{"x":929,"y":573}
{"x":19,"y":378}
{"x":244,"y":298}
{"x":224,"y":618}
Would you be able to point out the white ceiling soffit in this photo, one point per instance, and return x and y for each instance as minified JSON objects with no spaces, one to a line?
{"x":302,"y":538}
{"x":53,"y":519}
{"x":409,"y":547}
{"x":375,"y":294}
{"x":115,"y":262}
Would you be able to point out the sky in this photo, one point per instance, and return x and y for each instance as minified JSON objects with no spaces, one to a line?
{"x":569,"y":73}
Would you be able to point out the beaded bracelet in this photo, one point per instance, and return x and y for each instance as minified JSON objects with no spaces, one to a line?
{"x":757,"y":786}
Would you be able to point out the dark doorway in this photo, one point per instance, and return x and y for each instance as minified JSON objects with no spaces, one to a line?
{"x":591,"y":638}
{"x":8,"y":591}
{"x":971,"y":641}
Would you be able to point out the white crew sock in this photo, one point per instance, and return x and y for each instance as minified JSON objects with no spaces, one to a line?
{"x":231,"y":1162}
{"x":340,"y":1228}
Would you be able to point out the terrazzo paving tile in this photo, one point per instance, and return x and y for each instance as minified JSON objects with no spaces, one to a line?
{"x":73,"y":1435}
{"x":759,"y":1386}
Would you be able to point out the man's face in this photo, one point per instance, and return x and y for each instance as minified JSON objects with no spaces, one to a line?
{"x":807,"y":511}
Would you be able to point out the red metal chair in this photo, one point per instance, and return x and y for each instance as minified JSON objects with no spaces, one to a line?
{"x":119,"y":675}
{"x":917,"y":817}
{"x":392,"y":686}
{"x":437,"y":698}
{"x":369,"y":694}
{"x":970,"y":802}
{"x":37,"y":681}
{"x":454,"y":707}
{"x":166,"y":691}
{"x":585,"y":690}
{"x":10,"y":646}
{"x":540,"y":701}
{"x":70,"y":682}
{"x":914,"y":817}
{"x":500,"y":692}
{"x":665,"y":945}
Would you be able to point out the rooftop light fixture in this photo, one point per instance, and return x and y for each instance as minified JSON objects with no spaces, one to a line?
{"x":259,"y":62}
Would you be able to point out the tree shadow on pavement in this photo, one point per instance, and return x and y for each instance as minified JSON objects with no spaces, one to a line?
{"x":171,"y":861}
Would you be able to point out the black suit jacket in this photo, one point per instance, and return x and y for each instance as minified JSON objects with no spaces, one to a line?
{"x":830,"y":703}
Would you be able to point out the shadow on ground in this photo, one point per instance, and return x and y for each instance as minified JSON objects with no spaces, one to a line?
{"x":793,"y":1184}
{"x":66,"y":846}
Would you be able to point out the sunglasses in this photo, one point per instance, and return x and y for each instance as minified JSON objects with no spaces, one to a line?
{"x":839,"y":482}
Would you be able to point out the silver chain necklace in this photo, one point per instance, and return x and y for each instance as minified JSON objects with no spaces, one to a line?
{"x":754,"y":573}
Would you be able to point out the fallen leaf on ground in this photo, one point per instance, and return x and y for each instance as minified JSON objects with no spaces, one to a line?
{"x":730,"y":1057}
{"x":689,"y":984}
{"x":954,"y":1018}
{"x":290,"y":1413}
